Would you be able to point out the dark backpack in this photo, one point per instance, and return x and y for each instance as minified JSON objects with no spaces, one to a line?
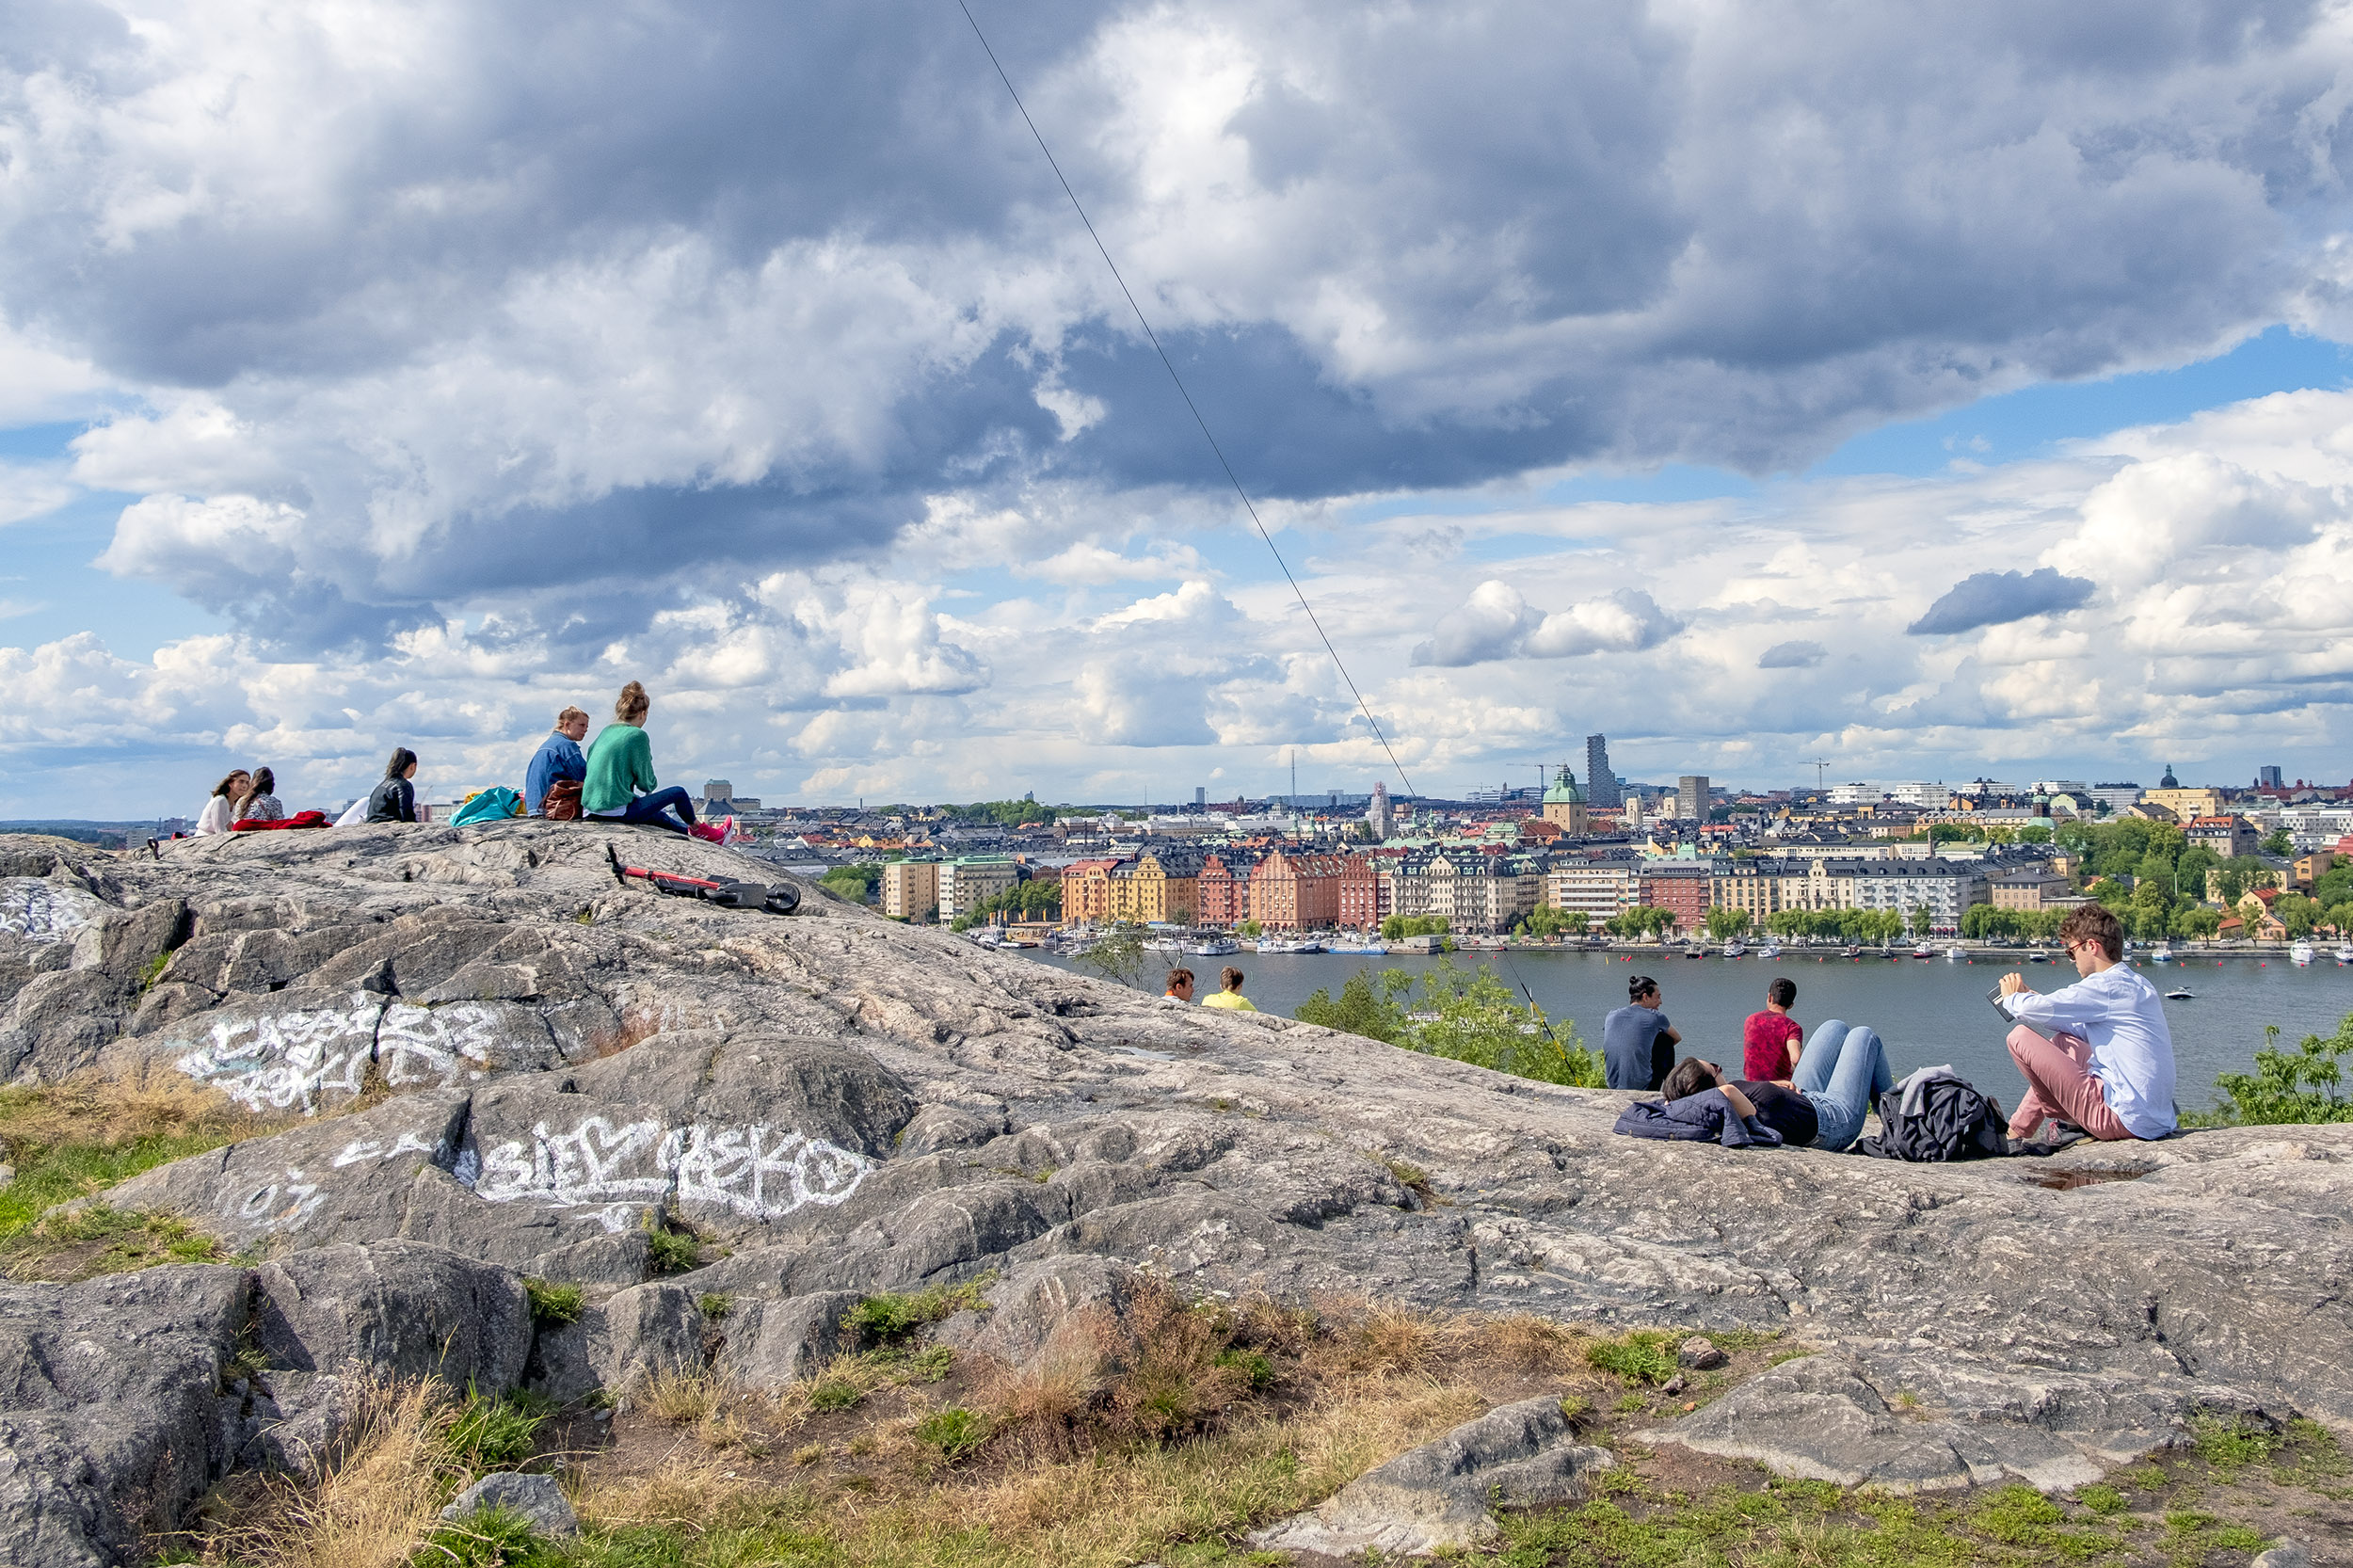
{"x":1954,"y":1122}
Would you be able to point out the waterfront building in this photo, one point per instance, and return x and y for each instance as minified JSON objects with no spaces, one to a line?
{"x":910,"y":890}
{"x":969,"y":881}
{"x":1290,"y":891}
{"x":1688,"y":887}
{"x":2029,"y":888}
{"x":1220,"y":888}
{"x":1086,"y":890}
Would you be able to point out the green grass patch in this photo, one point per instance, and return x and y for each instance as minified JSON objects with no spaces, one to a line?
{"x":714,"y":1305}
{"x":74,"y":1140}
{"x":2101,"y":1499}
{"x":497,"y":1432}
{"x":892,"y":1315}
{"x":672,"y":1252}
{"x":955,"y":1432}
{"x":554,"y":1305}
{"x":83,"y":1243}
{"x":2232,"y":1445}
{"x":1645,"y":1355}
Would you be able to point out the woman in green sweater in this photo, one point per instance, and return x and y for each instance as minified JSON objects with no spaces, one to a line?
{"x":620,"y":785}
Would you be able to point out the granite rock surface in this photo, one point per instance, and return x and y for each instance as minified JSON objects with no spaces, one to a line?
{"x":481,"y":1044}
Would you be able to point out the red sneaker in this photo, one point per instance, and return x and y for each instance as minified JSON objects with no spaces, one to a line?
{"x":709,"y":832}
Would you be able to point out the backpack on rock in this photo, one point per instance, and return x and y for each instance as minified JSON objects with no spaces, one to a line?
{"x":1942,"y":1119}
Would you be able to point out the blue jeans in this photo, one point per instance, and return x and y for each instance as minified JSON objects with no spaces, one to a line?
{"x":1842,"y":1073}
{"x":654,"y":808}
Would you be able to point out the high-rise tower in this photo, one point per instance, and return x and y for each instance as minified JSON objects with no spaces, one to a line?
{"x":1377,"y":814}
{"x":1601,"y":784}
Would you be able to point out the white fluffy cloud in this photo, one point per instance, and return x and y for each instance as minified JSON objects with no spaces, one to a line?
{"x":465,"y":360}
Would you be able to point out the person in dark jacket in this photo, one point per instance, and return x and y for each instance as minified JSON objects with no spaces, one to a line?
{"x":1720,"y":1114}
{"x":1841,"y":1074}
{"x":394,"y":798}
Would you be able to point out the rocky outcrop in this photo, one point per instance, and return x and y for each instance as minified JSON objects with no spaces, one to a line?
{"x":1443,"y":1495}
{"x":483,"y":1044}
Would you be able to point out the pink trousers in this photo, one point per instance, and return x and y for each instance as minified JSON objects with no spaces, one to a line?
{"x":2059,"y":1083}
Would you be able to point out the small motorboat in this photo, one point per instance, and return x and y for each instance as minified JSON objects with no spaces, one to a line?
{"x":1852,"y":949}
{"x":1770,"y":949}
{"x":2301,"y":954}
{"x":1736,"y":949}
{"x":1924,"y":950}
{"x":2038,"y":958}
{"x":2183,"y":994}
{"x":2345,"y":952}
{"x":1372,"y":947}
{"x":1954,"y":954}
{"x":2162,"y":953}
{"x":1216,"y":946}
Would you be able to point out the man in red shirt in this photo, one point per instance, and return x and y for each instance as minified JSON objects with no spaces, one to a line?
{"x":1772,"y":1040}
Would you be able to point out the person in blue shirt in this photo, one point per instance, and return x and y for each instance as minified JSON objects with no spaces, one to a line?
{"x":1638,"y":1044}
{"x":559,"y":757}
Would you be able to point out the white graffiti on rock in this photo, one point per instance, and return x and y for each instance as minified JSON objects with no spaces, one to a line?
{"x":283,"y":1060}
{"x":759,"y":1172}
{"x":437,"y":1046}
{"x":288,"y":1200}
{"x":41,"y":911}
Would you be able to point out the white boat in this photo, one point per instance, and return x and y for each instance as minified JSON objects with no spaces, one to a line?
{"x":1736,"y":949}
{"x":2183,"y":994}
{"x":1165,"y":944}
{"x":2162,"y":953}
{"x":1770,"y":949}
{"x":1924,"y":950}
{"x":1370,"y":945}
{"x":2345,"y":952}
{"x":2301,"y":954}
{"x":1215,"y":947}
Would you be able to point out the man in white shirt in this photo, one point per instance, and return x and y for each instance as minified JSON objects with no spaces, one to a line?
{"x":2107,"y":1063}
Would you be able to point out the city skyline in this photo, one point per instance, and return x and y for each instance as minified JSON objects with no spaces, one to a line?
{"x":1575,"y":402}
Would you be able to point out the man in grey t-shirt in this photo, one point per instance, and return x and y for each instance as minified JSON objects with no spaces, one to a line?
{"x":1638,"y":1044}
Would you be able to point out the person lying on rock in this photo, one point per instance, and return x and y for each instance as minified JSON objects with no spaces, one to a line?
{"x":394,"y":797}
{"x":215,"y":817}
{"x":620,"y":785}
{"x":1841,"y":1074}
{"x":2107,"y":1066}
{"x":1708,"y":1111}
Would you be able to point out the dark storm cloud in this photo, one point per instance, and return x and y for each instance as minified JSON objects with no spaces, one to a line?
{"x":1996,"y":597}
{"x":572,"y":291}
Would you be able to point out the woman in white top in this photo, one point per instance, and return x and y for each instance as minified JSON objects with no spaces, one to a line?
{"x":215,"y":817}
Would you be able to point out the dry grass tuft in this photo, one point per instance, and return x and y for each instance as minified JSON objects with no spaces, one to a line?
{"x":680,"y":1397}
{"x":380,"y":1496}
{"x":1531,"y":1343}
{"x":1178,"y":1376}
{"x":1370,"y":1337}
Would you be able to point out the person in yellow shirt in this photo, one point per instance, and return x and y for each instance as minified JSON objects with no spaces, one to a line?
{"x":1231,"y":997}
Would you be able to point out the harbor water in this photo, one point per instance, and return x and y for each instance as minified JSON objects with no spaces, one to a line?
{"x":1929,"y":1011}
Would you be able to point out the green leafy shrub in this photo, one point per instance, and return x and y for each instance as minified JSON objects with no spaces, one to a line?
{"x":489,"y":1538}
{"x":714,"y":1305}
{"x":554,"y":1305}
{"x":2303,"y":1085}
{"x":1255,"y":1368}
{"x":2100,"y":1498}
{"x":835,"y":1394}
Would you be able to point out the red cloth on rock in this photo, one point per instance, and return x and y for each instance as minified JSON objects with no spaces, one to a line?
{"x":300,"y":819}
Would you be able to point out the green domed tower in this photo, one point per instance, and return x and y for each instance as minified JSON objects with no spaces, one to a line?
{"x":1564,"y":803}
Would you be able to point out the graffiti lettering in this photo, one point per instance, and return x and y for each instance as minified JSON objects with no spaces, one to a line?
{"x":41,"y":911}
{"x":288,"y":1059}
{"x":759,"y":1172}
{"x":439,"y":1046}
{"x":291,"y":1198}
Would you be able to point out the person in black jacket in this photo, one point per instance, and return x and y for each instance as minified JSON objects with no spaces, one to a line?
{"x":1841,"y":1074}
{"x":394,"y":798}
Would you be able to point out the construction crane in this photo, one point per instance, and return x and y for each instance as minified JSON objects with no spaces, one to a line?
{"x":1821,"y":769}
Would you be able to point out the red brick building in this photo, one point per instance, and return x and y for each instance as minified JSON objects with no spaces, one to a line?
{"x":1360,"y":894}
{"x":1296,"y":893}
{"x":1688,"y":890}
{"x":1222,"y":898}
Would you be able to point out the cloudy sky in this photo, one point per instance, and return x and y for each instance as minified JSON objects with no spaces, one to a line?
{"x":1936,"y":390}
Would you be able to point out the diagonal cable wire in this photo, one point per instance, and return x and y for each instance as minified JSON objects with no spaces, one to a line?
{"x":1170,"y":365}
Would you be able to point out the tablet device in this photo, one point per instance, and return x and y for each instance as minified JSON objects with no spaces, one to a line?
{"x":1994,"y":996}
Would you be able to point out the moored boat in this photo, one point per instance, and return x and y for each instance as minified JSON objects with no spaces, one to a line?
{"x":2300,"y":953}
